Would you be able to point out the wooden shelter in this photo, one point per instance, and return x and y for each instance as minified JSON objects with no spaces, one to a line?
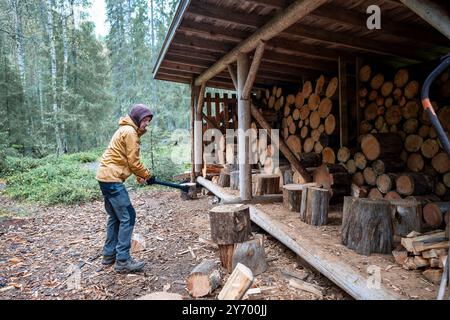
{"x":249,"y":44}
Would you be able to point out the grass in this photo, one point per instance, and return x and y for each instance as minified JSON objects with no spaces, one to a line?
{"x":68,"y":180}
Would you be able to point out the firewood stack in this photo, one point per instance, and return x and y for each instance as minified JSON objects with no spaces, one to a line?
{"x":307,"y":122}
{"x":392,"y":108}
{"x":425,"y":252}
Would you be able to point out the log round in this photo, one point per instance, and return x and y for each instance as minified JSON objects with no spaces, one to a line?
{"x":441,"y":162}
{"x":230,"y":223}
{"x":414,"y":183}
{"x":415,"y":162}
{"x":317,"y":201}
{"x":267,"y":184}
{"x":343,"y":154}
{"x":331,"y":88}
{"x":292,"y":196}
{"x":370,"y":176}
{"x":325,"y":107}
{"x":367,"y":225}
{"x":299,"y":100}
{"x":381,"y":145}
{"x":392,"y":195}
{"x":375,"y":194}
{"x":360,"y":160}
{"x":433,"y":213}
{"x":401,"y":78}
{"x":307,"y":89}
{"x":203,"y":279}
{"x":365,"y":73}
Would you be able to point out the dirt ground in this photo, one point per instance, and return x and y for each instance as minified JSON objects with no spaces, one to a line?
{"x":40,"y":253}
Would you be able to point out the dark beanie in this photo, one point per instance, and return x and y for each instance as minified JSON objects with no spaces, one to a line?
{"x":139,"y":112}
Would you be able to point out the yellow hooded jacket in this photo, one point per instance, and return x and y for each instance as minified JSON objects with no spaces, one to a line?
{"x":122,"y":157}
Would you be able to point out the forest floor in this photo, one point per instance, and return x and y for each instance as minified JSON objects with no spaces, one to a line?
{"x":43,"y":248}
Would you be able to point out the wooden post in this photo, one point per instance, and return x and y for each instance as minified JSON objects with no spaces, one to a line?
{"x":431,"y":12}
{"x":198,"y":130}
{"x":343,"y":107}
{"x":244,"y":120}
{"x":257,"y":57}
{"x":193,"y":98}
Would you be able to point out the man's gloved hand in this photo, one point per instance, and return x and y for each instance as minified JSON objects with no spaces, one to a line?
{"x":151,"y":180}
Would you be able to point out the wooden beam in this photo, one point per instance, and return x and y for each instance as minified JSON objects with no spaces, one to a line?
{"x":199,"y":43}
{"x":280,"y":22}
{"x":273,"y":4}
{"x":247,"y":90}
{"x":232,"y":72}
{"x":283,"y":147}
{"x":212,"y":31}
{"x":210,"y":121}
{"x":244,"y":120}
{"x":355,"y":42}
{"x":433,"y":13}
{"x":399,"y":29}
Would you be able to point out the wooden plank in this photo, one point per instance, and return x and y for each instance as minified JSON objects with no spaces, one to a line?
{"x":347,"y":277}
{"x":280,"y":22}
{"x":343,"y":105}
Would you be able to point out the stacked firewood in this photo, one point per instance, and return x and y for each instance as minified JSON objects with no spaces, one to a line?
{"x":425,"y":252}
{"x":393,"y":108}
{"x":307,"y":122}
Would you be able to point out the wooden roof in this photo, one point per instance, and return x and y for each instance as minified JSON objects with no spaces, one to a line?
{"x":203,"y":31}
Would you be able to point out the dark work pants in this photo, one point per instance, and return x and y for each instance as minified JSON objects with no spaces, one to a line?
{"x":120,"y":222}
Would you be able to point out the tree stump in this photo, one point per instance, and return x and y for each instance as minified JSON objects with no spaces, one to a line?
{"x":234,"y":180}
{"x":317,"y":200}
{"x":192,"y":192}
{"x":367,"y":226}
{"x":224,"y":179}
{"x":267,"y":184}
{"x":406,"y":216}
{"x":204,"y":279}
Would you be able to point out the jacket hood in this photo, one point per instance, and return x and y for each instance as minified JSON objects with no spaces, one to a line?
{"x":127,"y":121}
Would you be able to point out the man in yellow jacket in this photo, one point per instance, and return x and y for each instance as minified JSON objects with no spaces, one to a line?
{"x":120,"y":160}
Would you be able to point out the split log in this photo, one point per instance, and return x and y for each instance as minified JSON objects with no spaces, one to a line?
{"x":343,"y":154}
{"x":411,"y":89}
{"x":392,"y":195}
{"x":330,"y":124}
{"x":360,"y":160}
{"x":317,"y":201}
{"x":407,"y":217}
{"x":238,"y":283}
{"x":351,"y":166}
{"x":377,"y":81}
{"x":433,"y":213}
{"x":367,"y":226}
{"x":234,"y":180}
{"x":413,"y":143}
{"x":365,"y":73}
{"x":369,"y":176}
{"x":401,"y":78}
{"x":313,"y":101}
{"x":441,"y":162}
{"x":230,"y":223}
{"x":414,"y":183}
{"x":433,"y":275}
{"x":385,"y":182}
{"x":328,"y":155}
{"x":331,"y":88}
{"x":412,"y":244}
{"x":358,"y":179}
{"x":325,"y":107}
{"x":415,"y":162}
{"x":359,"y":192}
{"x":203,"y":279}
{"x":375,"y":194}
{"x":307,"y":89}
{"x":381,"y":145}
{"x":386,"y":88}
{"x":267,"y":184}
{"x":224,"y":179}
{"x":314,"y":120}
{"x":299,"y":100}
{"x":251,"y":253}
{"x":400,"y":255}
{"x":191,"y":193}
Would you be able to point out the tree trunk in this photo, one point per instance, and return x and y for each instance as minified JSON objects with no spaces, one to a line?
{"x":381,"y":146}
